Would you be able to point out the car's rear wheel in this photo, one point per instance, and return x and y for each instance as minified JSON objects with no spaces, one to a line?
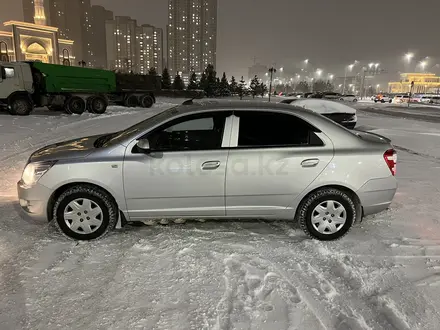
{"x":85,"y":212}
{"x":327,"y":214}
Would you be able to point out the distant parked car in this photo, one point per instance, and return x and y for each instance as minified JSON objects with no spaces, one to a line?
{"x":316,"y":95}
{"x":340,"y":113}
{"x":398,"y":99}
{"x":435,"y":100}
{"x":331,"y":96}
{"x":383,"y":98}
{"x":349,"y":98}
{"x":213,"y":160}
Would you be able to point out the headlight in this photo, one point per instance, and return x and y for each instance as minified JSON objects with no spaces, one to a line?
{"x":34,"y":171}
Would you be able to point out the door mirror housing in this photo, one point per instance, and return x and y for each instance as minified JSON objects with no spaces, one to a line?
{"x":3,"y":72}
{"x":144,"y":145}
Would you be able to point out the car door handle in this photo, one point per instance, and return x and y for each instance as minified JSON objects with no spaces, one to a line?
{"x":310,"y":162}
{"x":211,"y":165}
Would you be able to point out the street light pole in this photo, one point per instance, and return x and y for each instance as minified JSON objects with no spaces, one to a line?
{"x":345,"y":81}
{"x":272,"y":70}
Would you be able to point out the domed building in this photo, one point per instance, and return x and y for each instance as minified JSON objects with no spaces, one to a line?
{"x":25,"y":41}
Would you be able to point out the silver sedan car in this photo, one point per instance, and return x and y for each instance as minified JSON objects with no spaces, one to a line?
{"x":216,"y":160}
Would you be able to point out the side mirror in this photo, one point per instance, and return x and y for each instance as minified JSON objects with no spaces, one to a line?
{"x":144,"y":145}
{"x":3,"y":72}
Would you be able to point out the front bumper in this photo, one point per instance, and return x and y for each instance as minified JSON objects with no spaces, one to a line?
{"x":377,"y":195}
{"x":33,"y":200}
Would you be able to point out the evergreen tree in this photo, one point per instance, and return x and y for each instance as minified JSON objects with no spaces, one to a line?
{"x":263,"y":89}
{"x":211,"y":85}
{"x":233,"y":86}
{"x":319,"y":86}
{"x":152,"y":71}
{"x":255,"y":86}
{"x":203,"y":83}
{"x":241,"y":88}
{"x":193,"y":84}
{"x":166,"y":79}
{"x":329,"y":86}
{"x":178,"y":83}
{"x":224,"y":86}
{"x":302,"y":87}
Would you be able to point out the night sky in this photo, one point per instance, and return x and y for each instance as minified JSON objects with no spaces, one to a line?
{"x":331,"y":33}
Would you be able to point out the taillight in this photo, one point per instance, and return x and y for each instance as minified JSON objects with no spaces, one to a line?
{"x":390,"y":157}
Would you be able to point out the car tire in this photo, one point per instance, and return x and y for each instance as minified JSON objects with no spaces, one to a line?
{"x":390,"y":101}
{"x":90,"y":219}
{"x":355,"y":100}
{"x":375,"y":101}
{"x":21,"y":106}
{"x":315,"y":205}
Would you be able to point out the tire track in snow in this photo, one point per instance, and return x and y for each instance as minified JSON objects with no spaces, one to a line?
{"x":380,"y":307}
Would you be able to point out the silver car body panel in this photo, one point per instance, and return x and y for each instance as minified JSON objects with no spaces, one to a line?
{"x":175,"y":185}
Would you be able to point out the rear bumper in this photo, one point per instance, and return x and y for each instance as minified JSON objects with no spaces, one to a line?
{"x":377,"y":195}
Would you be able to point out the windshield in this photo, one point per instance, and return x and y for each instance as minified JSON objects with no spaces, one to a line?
{"x":136,"y":129}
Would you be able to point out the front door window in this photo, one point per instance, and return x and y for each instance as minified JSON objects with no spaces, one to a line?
{"x":195,"y":133}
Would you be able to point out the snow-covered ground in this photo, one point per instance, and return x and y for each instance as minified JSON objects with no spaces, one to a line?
{"x":223,"y":275}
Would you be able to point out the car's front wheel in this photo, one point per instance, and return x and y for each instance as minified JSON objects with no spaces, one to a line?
{"x":327,"y":214}
{"x":85,"y":212}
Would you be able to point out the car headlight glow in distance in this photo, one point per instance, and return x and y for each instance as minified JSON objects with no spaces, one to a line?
{"x":34,"y":171}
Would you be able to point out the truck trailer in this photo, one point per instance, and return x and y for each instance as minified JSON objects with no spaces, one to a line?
{"x":26,"y":85}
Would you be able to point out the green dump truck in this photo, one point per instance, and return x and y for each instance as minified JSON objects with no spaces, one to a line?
{"x":26,"y":85}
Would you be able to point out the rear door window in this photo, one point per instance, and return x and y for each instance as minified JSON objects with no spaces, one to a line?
{"x":261,"y":129}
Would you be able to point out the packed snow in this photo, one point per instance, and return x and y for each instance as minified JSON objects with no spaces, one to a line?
{"x":223,"y":274}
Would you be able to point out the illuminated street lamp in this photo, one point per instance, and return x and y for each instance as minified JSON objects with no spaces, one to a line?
{"x":370,"y":65}
{"x":350,"y":67}
{"x":423,"y":65}
{"x":306,"y":61}
{"x":330,"y":77}
{"x":318,"y":72}
{"x":376,"y":65}
{"x":409,"y":57}
{"x":272,"y":70}
{"x":281,"y":69}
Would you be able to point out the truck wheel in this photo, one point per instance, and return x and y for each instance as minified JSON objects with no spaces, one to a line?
{"x":75,"y":105}
{"x":131,"y":101}
{"x":146,"y":101}
{"x":21,"y":106}
{"x":97,"y":105}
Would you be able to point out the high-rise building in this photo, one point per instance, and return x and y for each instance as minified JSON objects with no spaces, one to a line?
{"x":133,"y":48}
{"x":97,"y":40}
{"x":192,"y":35}
{"x":36,"y":11}
{"x":121,"y":42}
{"x":150,"y":48}
{"x":72,"y":18}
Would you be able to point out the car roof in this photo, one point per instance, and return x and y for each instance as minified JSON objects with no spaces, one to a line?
{"x":204,"y":105}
